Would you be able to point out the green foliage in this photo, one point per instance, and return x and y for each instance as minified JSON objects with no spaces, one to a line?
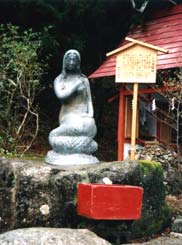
{"x":20,"y":74}
{"x":7,"y":145}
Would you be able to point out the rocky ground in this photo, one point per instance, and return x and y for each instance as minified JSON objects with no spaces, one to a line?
{"x":175,"y":204}
{"x":171,"y":239}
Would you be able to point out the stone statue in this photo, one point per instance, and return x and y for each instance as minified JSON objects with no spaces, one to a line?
{"x":72,"y":142}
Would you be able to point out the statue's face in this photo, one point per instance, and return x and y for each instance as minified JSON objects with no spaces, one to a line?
{"x":71,"y":61}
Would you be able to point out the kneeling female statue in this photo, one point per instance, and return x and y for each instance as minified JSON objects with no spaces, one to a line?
{"x":72,"y":142}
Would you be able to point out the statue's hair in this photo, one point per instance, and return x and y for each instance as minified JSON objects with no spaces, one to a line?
{"x":78,"y":70}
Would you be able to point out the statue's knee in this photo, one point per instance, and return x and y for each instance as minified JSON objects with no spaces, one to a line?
{"x":51,"y":134}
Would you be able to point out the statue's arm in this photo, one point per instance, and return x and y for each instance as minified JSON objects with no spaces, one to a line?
{"x":61,"y":90}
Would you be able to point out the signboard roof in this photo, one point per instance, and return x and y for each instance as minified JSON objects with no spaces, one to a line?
{"x":134,"y":42}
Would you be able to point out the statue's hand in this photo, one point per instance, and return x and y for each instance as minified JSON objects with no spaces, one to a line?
{"x":85,"y":115}
{"x":81,"y":87}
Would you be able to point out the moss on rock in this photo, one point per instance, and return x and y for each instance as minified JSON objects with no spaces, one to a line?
{"x":155,"y":213}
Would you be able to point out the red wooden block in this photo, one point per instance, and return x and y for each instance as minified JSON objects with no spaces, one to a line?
{"x":109,"y":202}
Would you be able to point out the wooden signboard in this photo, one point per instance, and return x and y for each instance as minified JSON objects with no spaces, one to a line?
{"x":136,"y":63}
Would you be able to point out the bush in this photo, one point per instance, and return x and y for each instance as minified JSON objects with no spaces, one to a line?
{"x":20,"y":75}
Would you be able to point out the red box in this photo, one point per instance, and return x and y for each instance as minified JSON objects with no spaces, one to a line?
{"x":109,"y":202}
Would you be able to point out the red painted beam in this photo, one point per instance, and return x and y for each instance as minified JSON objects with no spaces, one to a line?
{"x":151,"y":90}
{"x":144,"y":91}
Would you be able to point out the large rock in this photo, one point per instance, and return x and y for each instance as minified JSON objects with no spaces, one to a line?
{"x":50,"y":236}
{"x":36,"y":194}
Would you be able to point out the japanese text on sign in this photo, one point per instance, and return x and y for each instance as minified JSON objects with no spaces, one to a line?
{"x":136,"y":67}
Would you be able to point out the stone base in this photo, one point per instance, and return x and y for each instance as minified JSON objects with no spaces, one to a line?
{"x":68,"y":160}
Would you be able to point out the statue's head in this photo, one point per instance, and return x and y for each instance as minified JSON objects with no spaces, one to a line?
{"x":71,"y":62}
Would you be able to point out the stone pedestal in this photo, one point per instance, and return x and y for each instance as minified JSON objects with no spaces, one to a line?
{"x":55,"y":158}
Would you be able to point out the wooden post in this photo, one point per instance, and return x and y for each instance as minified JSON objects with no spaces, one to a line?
{"x":121,"y":123}
{"x":134,"y":121}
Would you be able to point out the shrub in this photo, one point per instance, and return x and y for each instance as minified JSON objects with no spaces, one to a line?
{"x":20,"y":75}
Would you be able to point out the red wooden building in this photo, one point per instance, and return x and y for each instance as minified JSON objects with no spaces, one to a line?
{"x":164,"y":30}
